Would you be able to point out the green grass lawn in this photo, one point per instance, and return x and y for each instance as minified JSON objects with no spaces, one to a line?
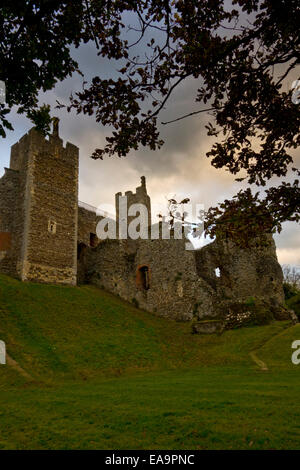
{"x":106,"y":375}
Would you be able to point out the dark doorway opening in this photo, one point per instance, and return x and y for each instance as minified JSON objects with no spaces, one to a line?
{"x":143,"y":277}
{"x":93,"y":240}
{"x":80,"y":250}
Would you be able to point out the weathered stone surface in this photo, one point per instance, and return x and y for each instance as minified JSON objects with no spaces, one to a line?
{"x":87,"y":237}
{"x":245,"y":274}
{"x":10,"y":236}
{"x":183,"y":284}
{"x":174,"y":287}
{"x":43,"y":209}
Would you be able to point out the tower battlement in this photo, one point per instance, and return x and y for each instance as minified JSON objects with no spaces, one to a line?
{"x":129,"y":199}
{"x":34,"y":141}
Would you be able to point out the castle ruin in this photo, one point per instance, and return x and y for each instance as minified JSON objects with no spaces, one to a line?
{"x":47,"y":236}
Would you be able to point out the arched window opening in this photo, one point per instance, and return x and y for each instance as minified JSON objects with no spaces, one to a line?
{"x":143,"y":277}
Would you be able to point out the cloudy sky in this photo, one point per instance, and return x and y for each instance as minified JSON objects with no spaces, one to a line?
{"x":180,"y":167}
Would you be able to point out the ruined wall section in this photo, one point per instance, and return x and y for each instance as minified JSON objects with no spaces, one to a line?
{"x":246,"y":274}
{"x":175,"y":290}
{"x":184,"y":285}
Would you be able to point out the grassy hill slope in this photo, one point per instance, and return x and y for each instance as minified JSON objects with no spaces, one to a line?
{"x":107,"y":375}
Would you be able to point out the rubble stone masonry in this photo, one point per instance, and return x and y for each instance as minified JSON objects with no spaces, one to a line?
{"x":43,"y":210}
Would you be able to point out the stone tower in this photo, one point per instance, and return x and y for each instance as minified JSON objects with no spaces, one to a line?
{"x":123,"y":204}
{"x":39,"y":210}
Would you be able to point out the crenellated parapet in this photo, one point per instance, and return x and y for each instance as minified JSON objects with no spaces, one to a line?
{"x":124,"y":215}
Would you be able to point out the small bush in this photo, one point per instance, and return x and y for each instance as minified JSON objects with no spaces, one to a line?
{"x":135,"y":302}
{"x":289,"y":290}
{"x":249,"y":313}
{"x":250,"y":302}
{"x":294,"y":304}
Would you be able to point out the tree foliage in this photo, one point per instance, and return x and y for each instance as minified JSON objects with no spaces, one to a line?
{"x":240,"y":54}
{"x":36,"y":37}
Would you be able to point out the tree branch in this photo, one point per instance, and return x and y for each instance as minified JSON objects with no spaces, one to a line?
{"x":189,"y":114}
